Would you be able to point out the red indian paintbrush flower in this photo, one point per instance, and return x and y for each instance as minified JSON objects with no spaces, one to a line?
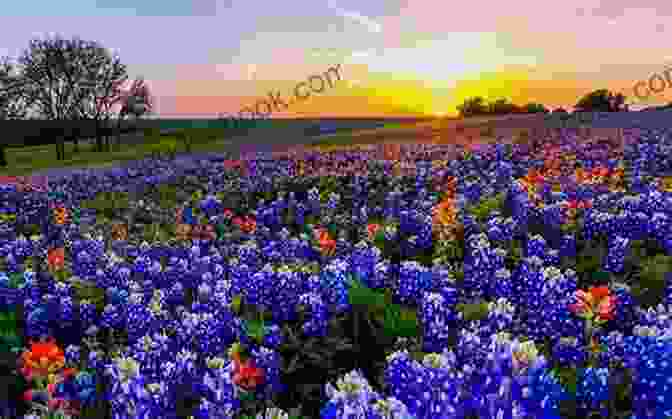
{"x":246,"y":375}
{"x":42,"y":359}
{"x":56,"y":258}
{"x":372,"y":229}
{"x":596,"y":304}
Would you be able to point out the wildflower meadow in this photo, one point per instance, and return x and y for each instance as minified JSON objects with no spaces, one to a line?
{"x":522,"y":280}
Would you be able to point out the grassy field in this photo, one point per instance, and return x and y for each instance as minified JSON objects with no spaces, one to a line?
{"x":24,"y":161}
{"x":27,"y":160}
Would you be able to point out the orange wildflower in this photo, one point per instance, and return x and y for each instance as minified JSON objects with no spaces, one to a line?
{"x":60,"y":215}
{"x":372,"y":229}
{"x":247,"y":224}
{"x":246,"y":374}
{"x":445,"y":212}
{"x":56,"y":258}
{"x":204,"y":232}
{"x":596,"y":304}
{"x":119,"y":231}
{"x":665,"y":184}
{"x":42,"y":359}
{"x":183,"y":232}
{"x":327,"y":244}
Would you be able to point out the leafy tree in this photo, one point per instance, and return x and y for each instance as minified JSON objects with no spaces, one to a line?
{"x":476,"y":106}
{"x":137,"y":101}
{"x":11,"y":106}
{"x":534,"y":108}
{"x":601,"y":100}
{"x":472,"y":107}
{"x":54,"y":80}
{"x":502,"y":107}
{"x":105,"y":75}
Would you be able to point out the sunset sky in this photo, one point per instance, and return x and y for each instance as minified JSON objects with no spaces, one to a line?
{"x":204,"y":57}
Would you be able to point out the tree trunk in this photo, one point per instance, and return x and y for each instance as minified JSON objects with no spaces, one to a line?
{"x":99,"y":139}
{"x":76,"y":141}
{"x":60,"y":149}
{"x":119,"y":132}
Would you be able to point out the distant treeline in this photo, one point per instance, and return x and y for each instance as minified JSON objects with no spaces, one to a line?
{"x":21,"y":133}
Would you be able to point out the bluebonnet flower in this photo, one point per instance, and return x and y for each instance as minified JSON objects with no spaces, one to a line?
{"x":221,"y":392}
{"x":593,"y":389}
{"x":352,"y":395}
{"x":317,"y":311}
{"x":429,"y":389}
{"x":569,"y":350}
{"x":80,"y":387}
{"x":649,"y":359}
{"x":127,"y":393}
{"x":72,"y":355}
{"x":437,"y":317}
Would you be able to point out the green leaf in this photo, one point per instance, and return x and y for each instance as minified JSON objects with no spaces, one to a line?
{"x":15,"y":279}
{"x":474,"y":311}
{"x":236,"y":303}
{"x":408,"y":323}
{"x":256,"y":329}
{"x":361,"y":296}
{"x":246,"y":396}
{"x":400,"y":321}
{"x":391,"y":320}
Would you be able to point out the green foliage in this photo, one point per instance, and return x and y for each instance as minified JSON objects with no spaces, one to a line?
{"x":449,"y":250}
{"x":361,"y":296}
{"x":156,"y":232}
{"x":15,"y":280}
{"x":167,"y":196}
{"x":515,"y":251}
{"x":9,"y":337}
{"x":107,"y":202}
{"x":567,"y":377}
{"x":588,"y":260}
{"x":398,"y":321}
{"x":652,"y":279}
{"x":236,"y":302}
{"x":86,"y":290}
{"x":328,"y":185}
{"x":474,"y":311}
{"x":486,"y":206}
{"x":255,"y":329}
{"x":654,"y":268}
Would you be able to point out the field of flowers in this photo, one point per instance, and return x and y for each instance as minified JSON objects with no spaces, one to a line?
{"x":419,"y":281}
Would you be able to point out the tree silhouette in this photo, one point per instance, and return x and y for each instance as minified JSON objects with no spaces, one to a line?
{"x":601,"y":100}
{"x":11,"y":106}
{"x":472,"y":107}
{"x":502,"y":107}
{"x":105,"y":75}
{"x":534,"y":108}
{"x":58,"y":77}
{"x":476,"y":106}
{"x":137,"y":100}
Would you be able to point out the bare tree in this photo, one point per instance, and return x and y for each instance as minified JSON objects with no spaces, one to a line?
{"x":136,"y":101}
{"x":105,"y":75}
{"x":57,"y":76}
{"x":11,"y":104}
